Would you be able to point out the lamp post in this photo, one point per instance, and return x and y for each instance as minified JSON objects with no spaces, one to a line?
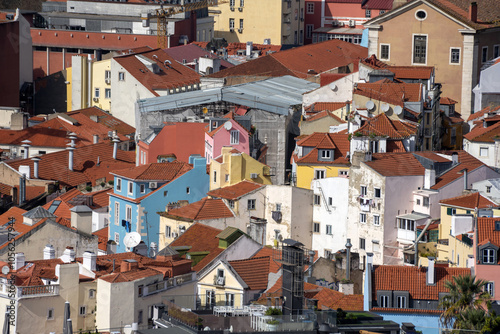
{"x":348,"y":247}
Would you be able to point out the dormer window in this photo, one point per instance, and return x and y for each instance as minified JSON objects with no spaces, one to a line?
{"x":497,"y":225}
{"x":488,"y":256}
{"x":325,"y":155}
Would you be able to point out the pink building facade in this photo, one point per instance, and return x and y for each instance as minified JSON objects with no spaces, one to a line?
{"x":486,"y":254}
{"x":230,"y":133}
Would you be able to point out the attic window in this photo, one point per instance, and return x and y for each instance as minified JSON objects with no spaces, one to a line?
{"x":497,"y":225}
{"x":421,"y":15}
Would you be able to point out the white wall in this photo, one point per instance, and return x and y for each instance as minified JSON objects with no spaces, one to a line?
{"x":342,"y":93}
{"x":473,"y":148}
{"x":100,"y":218}
{"x":488,"y":84}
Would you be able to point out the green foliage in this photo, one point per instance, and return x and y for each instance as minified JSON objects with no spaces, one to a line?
{"x":273,"y":311}
{"x":111,"y":182}
{"x":88,"y":188}
{"x":188,"y":318}
{"x":358,"y":134}
{"x":103,"y":184}
{"x":273,"y":322}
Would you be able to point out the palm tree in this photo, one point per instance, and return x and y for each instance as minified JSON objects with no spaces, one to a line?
{"x":466,"y":305}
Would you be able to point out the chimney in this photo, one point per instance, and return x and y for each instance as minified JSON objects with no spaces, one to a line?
{"x":429,"y":178}
{"x":465,"y":178}
{"x":153,"y":250}
{"x":70,"y":149}
{"x":369,"y":261}
{"x":95,"y":139}
{"x":19,"y":261}
{"x":81,"y":218}
{"x":68,"y":255}
{"x":431,"y":275}
{"x":72,"y":137}
{"x":115,"y":141}
{"x":35,"y":166}
{"x":485,"y":124}
{"x":49,"y":252}
{"x":454,"y":158}
{"x":473,"y":11}
{"x":26,"y":145}
{"x":89,"y":261}
{"x":128,"y":265}
{"x":249,"y":49}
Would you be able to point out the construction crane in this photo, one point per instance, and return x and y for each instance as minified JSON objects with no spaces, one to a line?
{"x":162,"y":14}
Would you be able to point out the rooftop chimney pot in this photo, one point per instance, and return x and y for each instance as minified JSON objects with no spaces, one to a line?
{"x":473,"y":11}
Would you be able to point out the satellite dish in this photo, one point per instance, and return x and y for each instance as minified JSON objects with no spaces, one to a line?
{"x":385,"y":107}
{"x":332,"y":86}
{"x":398,"y":110}
{"x":132,"y":239}
{"x":228,"y":125}
{"x":370,"y":105}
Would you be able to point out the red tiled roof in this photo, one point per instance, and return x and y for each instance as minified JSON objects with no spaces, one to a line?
{"x":326,"y":78}
{"x":432,"y":156}
{"x":470,"y":201}
{"x":322,"y":106}
{"x":155,"y":171}
{"x":15,"y":212}
{"x":266,"y":251}
{"x":413,"y":280}
{"x":235,"y":191}
{"x":337,"y":141}
{"x":323,"y":114}
{"x":447,"y":101}
{"x":201,"y":210}
{"x":395,"y":146}
{"x":201,"y":238}
{"x":54,"y":166}
{"x":486,"y":231}
{"x":487,"y":12}
{"x":481,"y":113}
{"x":381,"y":125}
{"x":391,"y":92}
{"x":378,"y":4}
{"x":192,"y":52}
{"x":319,"y":58}
{"x":102,"y":238}
{"x":374,"y":62}
{"x":170,"y":75}
{"x":253,"y":271}
{"x":395,"y":164}
{"x":481,"y":134}
{"x":105,"y":119}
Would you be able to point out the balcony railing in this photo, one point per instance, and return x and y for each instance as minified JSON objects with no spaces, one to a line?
{"x":37,"y":291}
{"x":168,"y":284}
{"x":443,"y":242}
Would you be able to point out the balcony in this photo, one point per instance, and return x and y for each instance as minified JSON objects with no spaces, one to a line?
{"x":32,"y":291}
{"x":168,"y":284}
{"x":406,"y":235}
{"x":219,"y":280}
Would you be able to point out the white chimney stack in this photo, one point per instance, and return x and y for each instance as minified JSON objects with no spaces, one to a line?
{"x":68,"y":255}
{"x":49,"y":252}
{"x":115,"y":141}
{"x":72,"y":136}
{"x":96,"y":138}
{"x":249,"y":49}
{"x":429,"y":178}
{"x":89,"y":261}
{"x":70,"y":149}
{"x":431,"y":272}
{"x":26,"y":145}
{"x":19,"y":261}
{"x":35,"y":166}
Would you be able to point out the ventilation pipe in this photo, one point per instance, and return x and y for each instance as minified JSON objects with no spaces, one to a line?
{"x":70,"y":149}
{"x":35,"y":166}
{"x":26,"y":145}
{"x":115,"y":141}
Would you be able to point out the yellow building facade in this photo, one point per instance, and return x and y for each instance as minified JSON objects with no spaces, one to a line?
{"x":236,"y":167}
{"x":307,"y":173}
{"x":220,"y":287}
{"x":242,"y":21}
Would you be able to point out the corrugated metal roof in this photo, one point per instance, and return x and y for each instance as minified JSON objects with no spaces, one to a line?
{"x":274,"y":95}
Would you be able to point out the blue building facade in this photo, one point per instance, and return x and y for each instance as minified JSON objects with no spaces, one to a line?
{"x":134,"y":203}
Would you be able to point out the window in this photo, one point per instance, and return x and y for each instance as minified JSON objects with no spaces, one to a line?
{"x":121,"y":76}
{"x":361,"y":243}
{"x":330,"y":201}
{"x":143,"y":188}
{"x":210,"y":298}
{"x":362,"y":218}
{"x":235,"y":137}
{"x":96,"y":93}
{"x":329,"y":229}
{"x":227,"y":178}
{"x":188,"y":190}
{"x":128,"y":213}
{"x":384,"y":301}
{"x":377,"y":192}
{"x":363,"y":191}
{"x":130,"y":187}
{"x":406,"y":224}
{"x":483,"y":151}
{"x":375,"y":246}
{"x":488,"y":256}
{"x":241,"y":27}
{"x":496,"y":51}
{"x":139,"y":317}
{"x":489,"y":288}
{"x":215,"y":176}
{"x":426,"y":201}
{"x":316,"y":227}
{"x":242,"y":3}
{"x":488,"y":189}
{"x":384,"y":51}
{"x":484,"y":55}
{"x":343,"y":173}
{"x":231,"y":204}
{"x":451,"y":211}
{"x":232,"y":3}
{"x":376,"y":220}
{"x":140,"y":290}
{"x":168,"y":231}
{"x":118,"y":184}
{"x":83,"y":311}
{"x":382,"y":12}
{"x":454,"y":56}
{"x":117,"y":213}
{"x":310,"y":8}
{"x":50,"y":314}
{"x":309,"y":30}
{"x":92,"y":293}
{"x":401,"y":301}
{"x":231,"y":24}
{"x":418,"y":201}
{"x":165,"y":193}
{"x":319,"y":174}
{"x":251,"y":204}
{"x":278,"y":206}
{"x":42,"y":152}
{"x":229,"y":299}
{"x":317,"y":200}
{"x":328,"y":254}
{"x":117,"y":238}
{"x":107,"y":93}
{"x":419,"y":49}
{"x":368,"y":13}
{"x":107,"y":75}
{"x":326,"y":154}
{"x":421,"y":14}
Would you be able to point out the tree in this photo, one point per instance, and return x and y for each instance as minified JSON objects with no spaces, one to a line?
{"x":466,"y":306}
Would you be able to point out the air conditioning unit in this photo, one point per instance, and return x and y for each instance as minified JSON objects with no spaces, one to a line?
{"x":232,"y":9}
{"x":254,"y":175}
{"x":231,"y":29}
{"x":240,"y":30}
{"x":153,"y":185}
{"x":352,"y":23}
{"x":96,"y":99}
{"x":240,"y":9}
{"x":108,"y":80}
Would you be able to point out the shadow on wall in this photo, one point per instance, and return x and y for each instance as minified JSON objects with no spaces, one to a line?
{"x":50,"y":94}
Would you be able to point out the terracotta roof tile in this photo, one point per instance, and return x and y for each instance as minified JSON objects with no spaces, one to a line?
{"x":413,"y":280}
{"x":155,"y":171}
{"x":322,"y":106}
{"x":106,"y":119}
{"x":274,"y":265}
{"x":102,"y":238}
{"x":447,"y":101}
{"x":391,"y":92}
{"x":235,"y":191}
{"x":201,"y":210}
{"x":324,"y":114}
{"x":395,"y":164}
{"x":253,"y":271}
{"x":381,"y":125}
{"x":481,"y":113}
{"x":470,"y":201}
{"x":339,"y":142}
{"x":485,"y":135}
